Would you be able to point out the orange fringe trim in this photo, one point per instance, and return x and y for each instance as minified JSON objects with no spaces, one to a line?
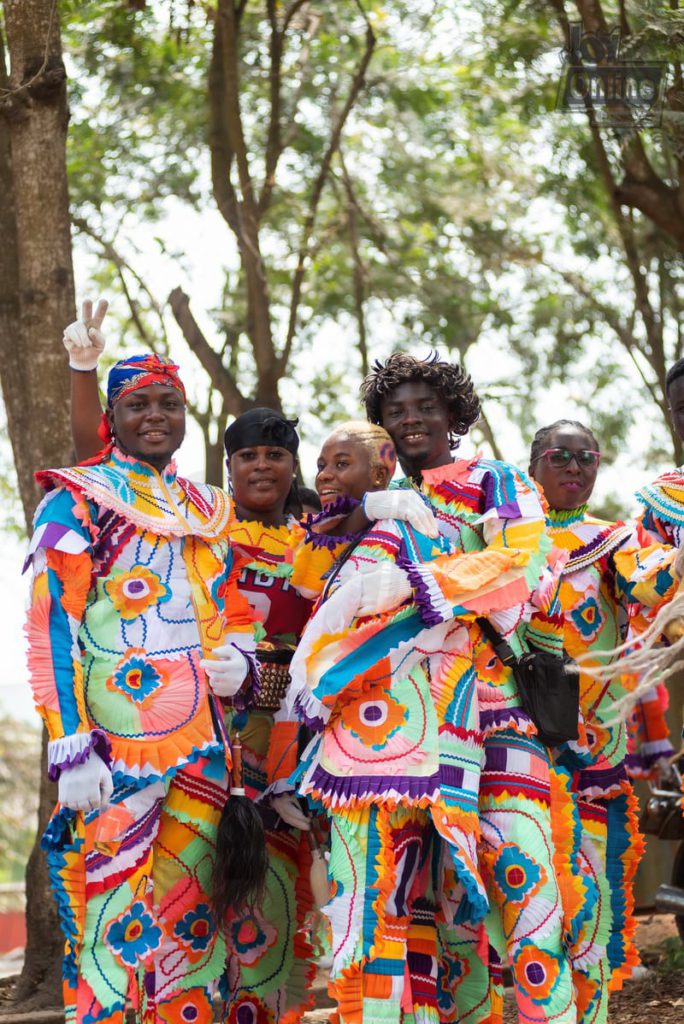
{"x":630,"y":858}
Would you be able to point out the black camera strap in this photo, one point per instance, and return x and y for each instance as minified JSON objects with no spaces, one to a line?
{"x":504,"y":651}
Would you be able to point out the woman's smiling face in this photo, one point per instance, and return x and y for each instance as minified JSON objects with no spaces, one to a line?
{"x":261,"y":477}
{"x":567,"y":487}
{"x":344,"y":469}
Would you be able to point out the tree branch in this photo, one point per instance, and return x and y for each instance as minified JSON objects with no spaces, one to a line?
{"x":228,"y":148}
{"x":295,"y":6}
{"x":227,"y":34}
{"x":274,"y":145}
{"x":359,"y":272}
{"x":219,"y":146}
{"x":641,"y":188}
{"x":333,"y":144}
{"x":313,"y":22}
{"x":120,"y":264}
{"x":220,"y":377}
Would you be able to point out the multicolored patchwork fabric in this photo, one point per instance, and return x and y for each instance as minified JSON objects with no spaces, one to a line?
{"x":491,"y":511}
{"x":609,"y":571}
{"x":385,"y":870}
{"x":662,"y":521}
{"x":648,"y":735}
{"x":538,"y":901}
{"x":663,"y":501}
{"x":396,"y":764}
{"x":122,"y":614}
{"x":398,"y":698}
{"x":271,"y":955}
{"x":486,"y":507}
{"x":126,"y":601}
{"x":163,"y":503}
{"x":609,"y":575}
{"x":132,"y":883}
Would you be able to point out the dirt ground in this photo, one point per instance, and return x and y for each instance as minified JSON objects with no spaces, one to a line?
{"x":657,"y":995}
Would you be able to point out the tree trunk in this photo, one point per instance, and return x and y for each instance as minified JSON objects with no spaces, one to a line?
{"x":36,"y":302}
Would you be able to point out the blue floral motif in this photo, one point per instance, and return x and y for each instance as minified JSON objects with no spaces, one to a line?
{"x":196,"y":927}
{"x":516,"y":875}
{"x":136,"y":678}
{"x":133,"y":935}
{"x":588,"y":618}
{"x":452,"y":972}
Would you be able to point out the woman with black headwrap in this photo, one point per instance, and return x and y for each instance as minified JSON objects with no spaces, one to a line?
{"x":271,"y":962}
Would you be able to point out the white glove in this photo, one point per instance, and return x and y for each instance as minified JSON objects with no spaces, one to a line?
{"x":244,"y":642}
{"x":87,"y":786}
{"x":83,"y":340}
{"x":289,"y":810}
{"x":382,"y":588}
{"x":226,"y":670}
{"x":405,"y":505}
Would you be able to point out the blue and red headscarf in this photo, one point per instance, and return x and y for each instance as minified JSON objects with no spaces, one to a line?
{"x":128,"y":375}
{"x":139,"y":372}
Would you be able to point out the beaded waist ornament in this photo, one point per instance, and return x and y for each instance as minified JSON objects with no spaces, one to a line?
{"x":274,"y":675}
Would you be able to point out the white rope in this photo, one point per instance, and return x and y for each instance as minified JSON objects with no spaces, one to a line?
{"x":650,"y":660}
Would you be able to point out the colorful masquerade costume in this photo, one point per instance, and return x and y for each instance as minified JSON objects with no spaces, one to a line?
{"x":596,"y":600}
{"x":133,"y":585}
{"x":396,"y":765}
{"x":662,"y":521}
{"x":526,"y":812}
{"x":271,"y":959}
{"x":663,"y":501}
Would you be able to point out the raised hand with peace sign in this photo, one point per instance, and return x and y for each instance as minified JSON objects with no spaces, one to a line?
{"x":83,"y":339}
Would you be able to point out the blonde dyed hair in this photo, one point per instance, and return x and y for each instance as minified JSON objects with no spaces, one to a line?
{"x":374,"y":438}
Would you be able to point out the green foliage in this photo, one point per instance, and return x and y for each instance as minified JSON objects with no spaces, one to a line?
{"x":19,"y":771}
{"x":138,"y":110}
{"x":461,"y":211}
{"x":11,"y":511}
{"x":672,"y":958}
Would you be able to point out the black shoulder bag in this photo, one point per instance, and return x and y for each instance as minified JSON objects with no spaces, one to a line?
{"x":548,"y":690}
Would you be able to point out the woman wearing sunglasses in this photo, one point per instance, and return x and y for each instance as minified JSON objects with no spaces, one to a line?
{"x":594,"y":595}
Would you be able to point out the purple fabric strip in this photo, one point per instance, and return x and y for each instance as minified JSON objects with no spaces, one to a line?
{"x":248,"y":696}
{"x":358,"y":786}
{"x":496,"y":758}
{"x":421,"y":592}
{"x":506,"y":718}
{"x":649,"y":755}
{"x":306,"y":708}
{"x":603,"y":779}
{"x":52,"y":534}
{"x":68,"y":751}
{"x":509,"y":510}
{"x":341,"y":506}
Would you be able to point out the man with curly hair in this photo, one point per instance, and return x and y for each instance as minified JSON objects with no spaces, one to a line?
{"x":486,"y":506}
